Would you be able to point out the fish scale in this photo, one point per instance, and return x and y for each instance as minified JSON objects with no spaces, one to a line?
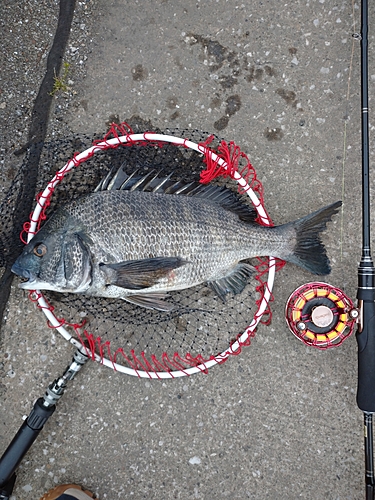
{"x":207,"y":236}
{"x":139,"y":243}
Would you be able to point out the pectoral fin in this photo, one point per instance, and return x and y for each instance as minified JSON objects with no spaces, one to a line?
{"x":140,"y":274}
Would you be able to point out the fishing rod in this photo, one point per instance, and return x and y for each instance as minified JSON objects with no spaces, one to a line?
{"x":366,"y":281}
{"x":323,"y":316}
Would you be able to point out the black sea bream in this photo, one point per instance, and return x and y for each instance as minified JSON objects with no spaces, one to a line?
{"x":138,"y":245}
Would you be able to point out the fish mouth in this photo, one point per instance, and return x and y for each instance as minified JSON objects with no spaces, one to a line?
{"x":29,"y":279}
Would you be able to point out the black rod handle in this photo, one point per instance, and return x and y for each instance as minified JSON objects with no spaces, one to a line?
{"x":369,"y":492}
{"x":23,"y":440}
{"x":366,"y":353}
{"x":369,"y":456}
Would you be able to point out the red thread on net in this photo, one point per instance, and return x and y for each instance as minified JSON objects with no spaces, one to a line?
{"x":25,"y":231}
{"x":156,"y":366}
{"x":139,"y":365}
{"x":93,"y":345}
{"x":204,"y":145}
{"x":152,"y":142}
{"x":76,"y":161}
{"x":116,"y":130}
{"x":197,"y":361}
{"x":214,"y":168}
{"x":185,"y":145}
{"x":232,"y":156}
{"x":234,"y":161}
{"x":96,"y":347}
{"x":34,"y":296}
{"x":124,"y":130}
{"x":263,"y":268}
{"x":90,"y":343}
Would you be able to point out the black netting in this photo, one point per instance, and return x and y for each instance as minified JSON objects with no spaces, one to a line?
{"x":200,"y":324}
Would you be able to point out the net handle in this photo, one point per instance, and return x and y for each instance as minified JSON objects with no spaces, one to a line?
{"x":178,"y":141}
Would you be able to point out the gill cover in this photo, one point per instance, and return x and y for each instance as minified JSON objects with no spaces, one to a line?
{"x":75,"y":264}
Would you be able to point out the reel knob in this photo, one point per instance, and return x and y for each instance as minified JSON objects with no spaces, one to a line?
{"x":320,"y":315}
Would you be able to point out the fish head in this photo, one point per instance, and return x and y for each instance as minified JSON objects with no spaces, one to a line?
{"x":57,"y":260}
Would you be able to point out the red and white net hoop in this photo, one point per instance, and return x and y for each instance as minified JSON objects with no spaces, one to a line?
{"x":145,"y":369}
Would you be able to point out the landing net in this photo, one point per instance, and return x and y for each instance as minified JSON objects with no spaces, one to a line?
{"x":201,"y":331}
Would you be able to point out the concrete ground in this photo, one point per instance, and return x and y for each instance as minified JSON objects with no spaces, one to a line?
{"x":283,"y":81}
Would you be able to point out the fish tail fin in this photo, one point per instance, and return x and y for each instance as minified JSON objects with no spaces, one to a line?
{"x":309,"y":251}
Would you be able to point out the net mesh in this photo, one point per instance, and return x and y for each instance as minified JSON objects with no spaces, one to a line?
{"x":200,"y":327}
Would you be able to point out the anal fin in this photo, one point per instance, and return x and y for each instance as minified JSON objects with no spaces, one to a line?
{"x":233,"y":282}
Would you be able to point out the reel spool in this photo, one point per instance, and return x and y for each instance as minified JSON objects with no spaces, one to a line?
{"x":320,"y":315}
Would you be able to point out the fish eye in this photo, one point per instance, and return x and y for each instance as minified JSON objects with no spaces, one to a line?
{"x":40,"y":250}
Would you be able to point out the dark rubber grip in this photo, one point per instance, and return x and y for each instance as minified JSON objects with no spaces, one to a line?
{"x":23,"y":440}
{"x":366,"y":359}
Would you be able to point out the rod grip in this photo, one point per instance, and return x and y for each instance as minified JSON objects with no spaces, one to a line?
{"x":366,"y":358}
{"x":23,"y":440}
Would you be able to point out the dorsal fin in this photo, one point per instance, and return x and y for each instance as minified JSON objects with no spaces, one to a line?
{"x":157,"y":183}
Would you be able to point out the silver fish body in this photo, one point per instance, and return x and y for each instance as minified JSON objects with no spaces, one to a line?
{"x":139,"y":245}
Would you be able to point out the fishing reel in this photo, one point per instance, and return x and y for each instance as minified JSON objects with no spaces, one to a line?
{"x":320,"y":315}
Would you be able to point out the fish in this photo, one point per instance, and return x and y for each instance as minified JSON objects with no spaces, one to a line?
{"x":140,"y":238}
